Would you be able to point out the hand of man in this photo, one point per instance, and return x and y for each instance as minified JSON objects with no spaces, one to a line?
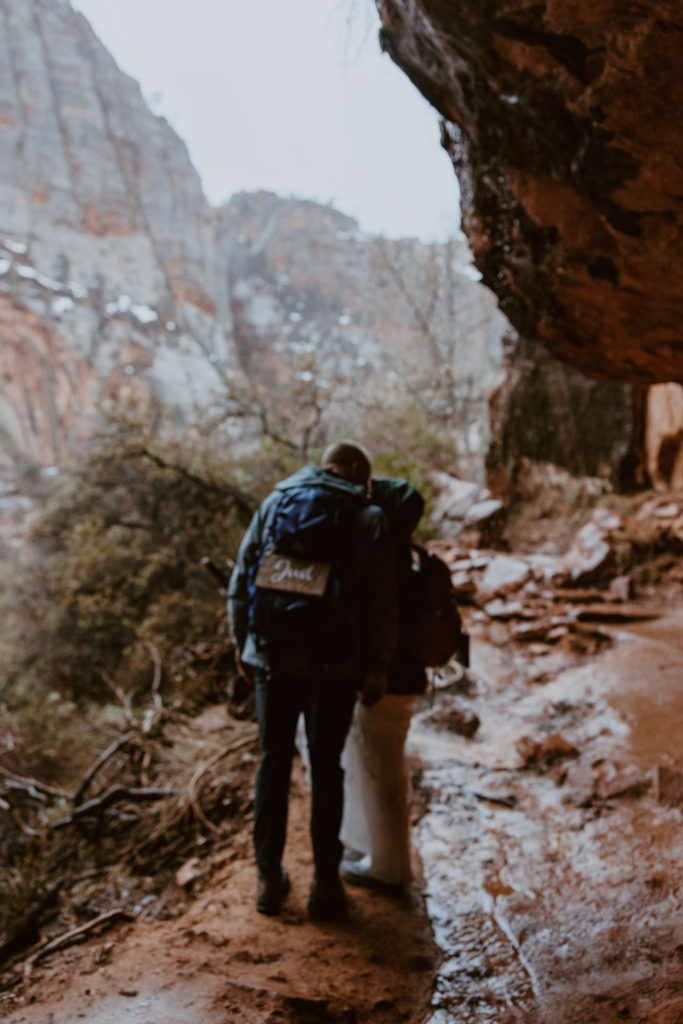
{"x":244,"y":668}
{"x":374,"y":688}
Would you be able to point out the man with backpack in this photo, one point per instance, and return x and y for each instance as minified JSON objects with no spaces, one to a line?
{"x":313,"y":614}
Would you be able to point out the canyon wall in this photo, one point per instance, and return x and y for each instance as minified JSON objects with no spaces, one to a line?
{"x":563,"y":122}
{"x":122,"y":289}
{"x":109,"y":289}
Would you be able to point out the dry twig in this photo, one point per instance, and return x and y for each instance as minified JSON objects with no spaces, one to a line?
{"x":35,"y":789}
{"x":117,"y":914}
{"x":125,"y":698}
{"x":193,"y":795}
{"x":110,"y":796}
{"x":105,"y":756}
{"x":156,"y":682}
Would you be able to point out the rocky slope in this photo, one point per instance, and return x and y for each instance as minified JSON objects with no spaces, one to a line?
{"x":562,"y":120}
{"x":547,"y":788}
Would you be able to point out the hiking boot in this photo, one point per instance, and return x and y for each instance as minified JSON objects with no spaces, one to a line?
{"x":327,"y":899}
{"x":272,"y":890}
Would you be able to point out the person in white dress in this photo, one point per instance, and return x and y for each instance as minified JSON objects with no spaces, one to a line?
{"x":376,"y":822}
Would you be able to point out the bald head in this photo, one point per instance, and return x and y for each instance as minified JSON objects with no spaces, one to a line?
{"x":349,"y":460}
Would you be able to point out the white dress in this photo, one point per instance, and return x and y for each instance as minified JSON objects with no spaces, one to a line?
{"x":376,"y":825}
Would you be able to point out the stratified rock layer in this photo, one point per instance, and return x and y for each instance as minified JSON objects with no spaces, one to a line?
{"x":563,"y":119}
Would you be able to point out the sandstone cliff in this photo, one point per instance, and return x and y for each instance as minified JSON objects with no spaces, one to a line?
{"x":563,"y":123}
{"x":355,"y":323}
{"x":109,"y":284}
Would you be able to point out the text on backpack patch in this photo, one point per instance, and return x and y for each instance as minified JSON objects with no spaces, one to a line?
{"x":296,"y":575}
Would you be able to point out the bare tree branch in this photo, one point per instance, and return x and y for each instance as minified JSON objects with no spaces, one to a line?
{"x":36,"y":790}
{"x":111,"y":796}
{"x":105,"y":756}
{"x":109,"y":918}
{"x":243,"y":502}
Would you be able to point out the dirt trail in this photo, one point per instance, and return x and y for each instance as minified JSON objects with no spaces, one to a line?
{"x":221,"y":961}
{"x":551,"y":859}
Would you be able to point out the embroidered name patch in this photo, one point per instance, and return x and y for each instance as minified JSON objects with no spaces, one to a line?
{"x":297,"y":575}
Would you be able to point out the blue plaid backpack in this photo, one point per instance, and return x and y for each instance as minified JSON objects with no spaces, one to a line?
{"x":300,"y":604}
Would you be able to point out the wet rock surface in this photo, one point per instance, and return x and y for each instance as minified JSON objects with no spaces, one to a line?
{"x":554,"y":885}
{"x":551,"y":844}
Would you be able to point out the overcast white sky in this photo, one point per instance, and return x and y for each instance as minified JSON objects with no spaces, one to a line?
{"x":283,"y":96}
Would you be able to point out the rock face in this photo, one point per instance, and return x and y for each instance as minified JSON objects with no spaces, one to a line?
{"x":109,"y":288}
{"x":664,"y":447}
{"x":548,"y":412}
{"x":329,"y":320}
{"x":120,"y":286}
{"x":563,"y":122}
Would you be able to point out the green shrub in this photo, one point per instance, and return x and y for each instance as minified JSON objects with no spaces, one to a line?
{"x":114,"y":575}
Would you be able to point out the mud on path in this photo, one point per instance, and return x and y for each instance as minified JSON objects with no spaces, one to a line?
{"x":221,"y":961}
{"x":553,"y":882}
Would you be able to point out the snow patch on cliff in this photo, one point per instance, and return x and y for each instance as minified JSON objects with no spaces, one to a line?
{"x":124,"y":304}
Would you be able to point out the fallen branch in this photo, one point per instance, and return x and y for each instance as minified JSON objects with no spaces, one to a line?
{"x":105,"y":756}
{"x":193,"y":787}
{"x":111,"y":796}
{"x":118,"y":914}
{"x":193,"y":795}
{"x":36,"y":790}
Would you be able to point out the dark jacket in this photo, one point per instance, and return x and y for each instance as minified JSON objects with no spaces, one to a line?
{"x":370,"y":576}
{"x":403,"y":506}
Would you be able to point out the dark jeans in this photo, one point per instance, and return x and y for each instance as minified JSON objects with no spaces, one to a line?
{"x":327,"y":708}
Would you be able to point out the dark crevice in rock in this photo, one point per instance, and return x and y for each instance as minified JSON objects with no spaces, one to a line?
{"x":570,"y":51}
{"x":545,"y":411}
{"x":627,"y":222}
{"x":605,"y":268}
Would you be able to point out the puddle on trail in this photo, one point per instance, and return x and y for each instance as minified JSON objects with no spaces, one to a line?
{"x":643,"y":680}
{"x":177,"y":1001}
{"x":549,"y":905}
